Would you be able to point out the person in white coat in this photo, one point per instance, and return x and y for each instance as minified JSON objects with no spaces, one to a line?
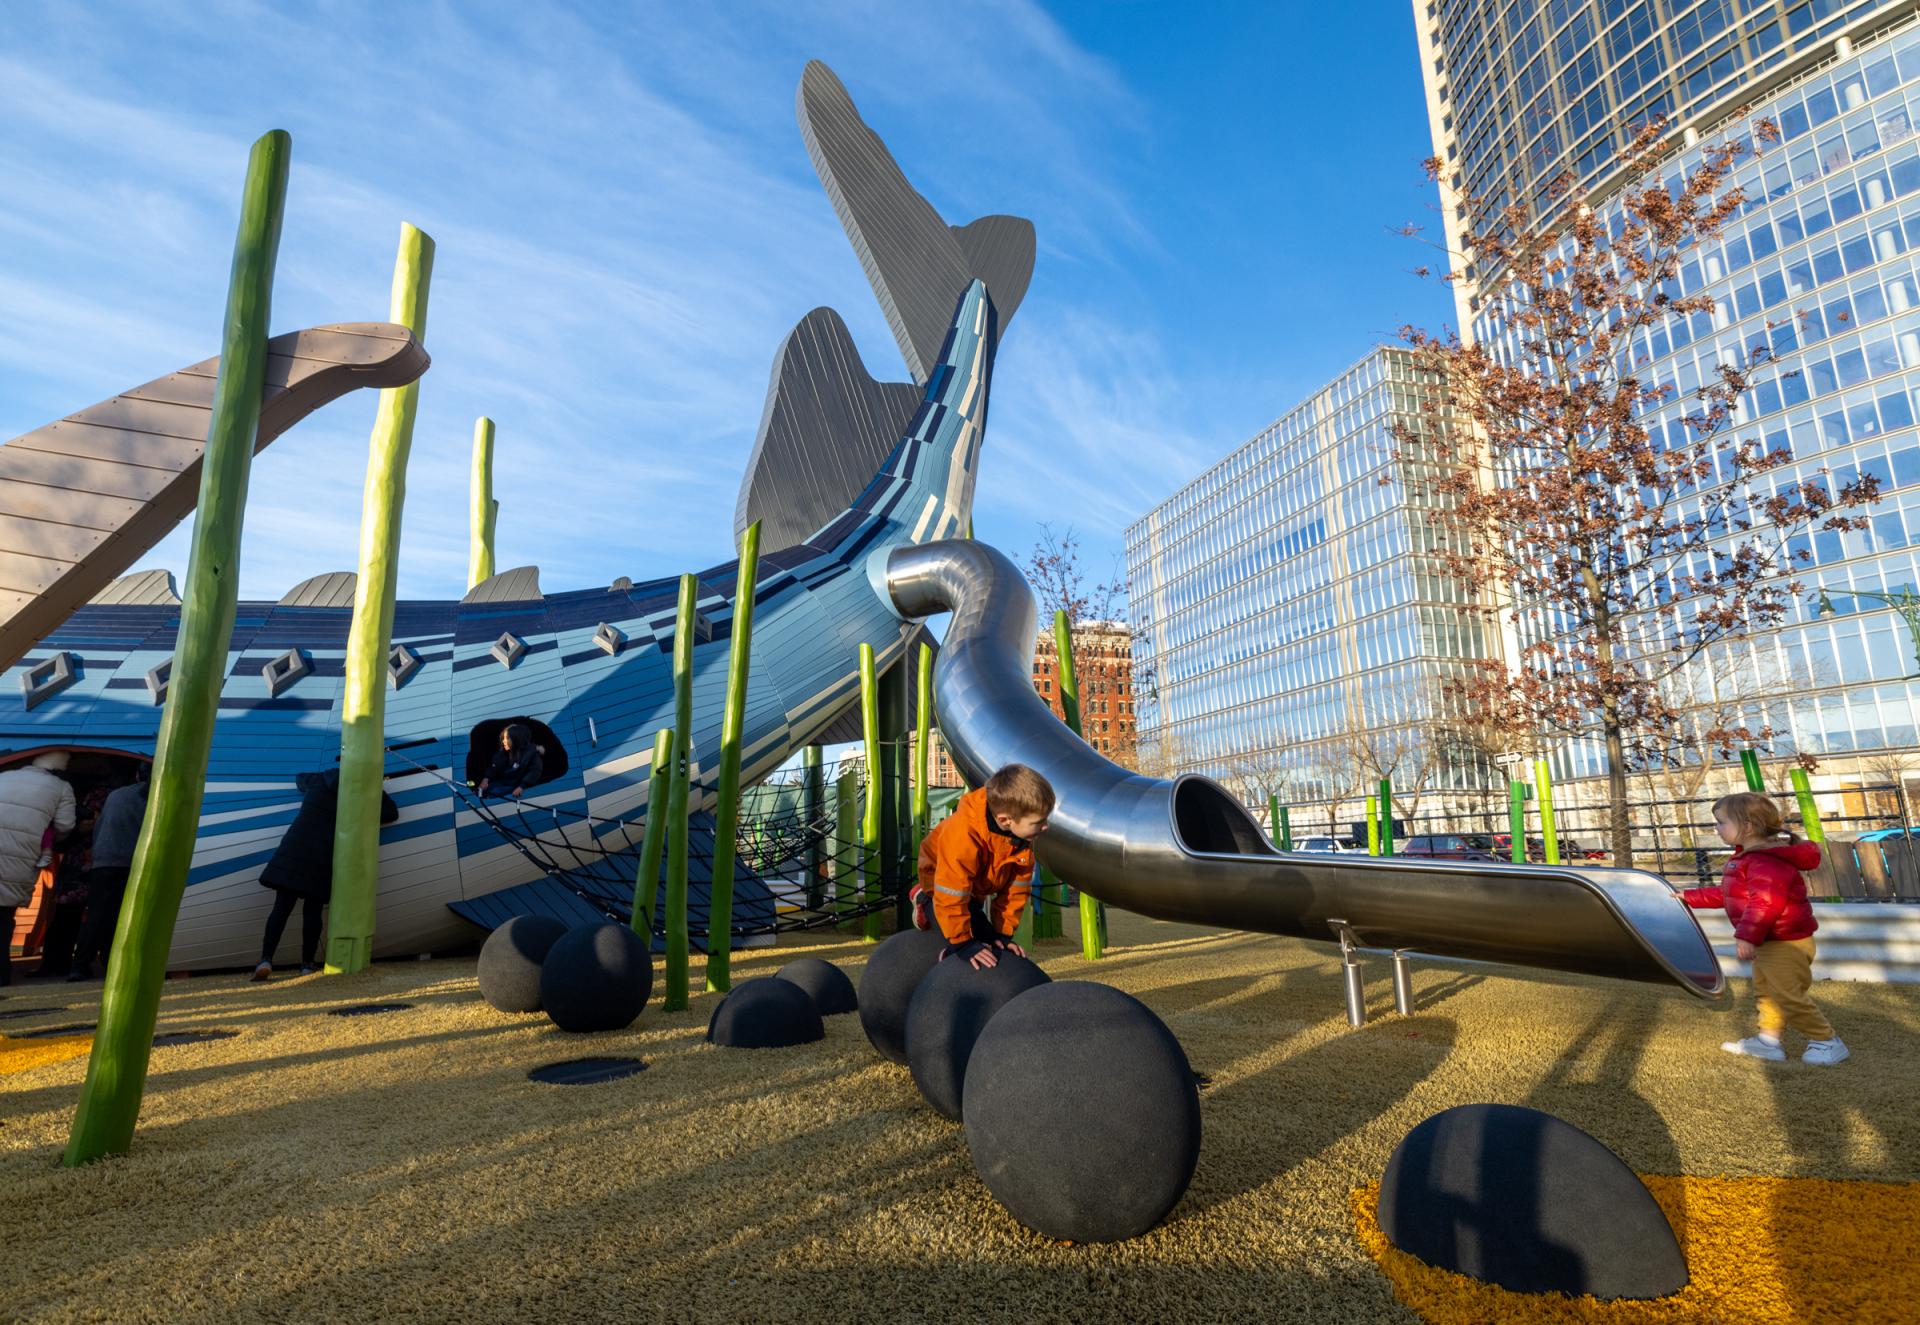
{"x":31,"y":801}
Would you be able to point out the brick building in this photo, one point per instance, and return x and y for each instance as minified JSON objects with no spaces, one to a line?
{"x":1103,"y":665}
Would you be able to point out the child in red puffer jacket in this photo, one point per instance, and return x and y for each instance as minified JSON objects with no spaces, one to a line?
{"x":1764,"y":891}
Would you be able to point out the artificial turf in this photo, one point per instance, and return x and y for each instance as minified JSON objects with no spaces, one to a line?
{"x":401,"y":1167}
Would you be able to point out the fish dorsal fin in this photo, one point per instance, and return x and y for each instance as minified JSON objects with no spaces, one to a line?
{"x":917,"y":263}
{"x":520,"y":584}
{"x":826,"y":428}
{"x":334,"y":589}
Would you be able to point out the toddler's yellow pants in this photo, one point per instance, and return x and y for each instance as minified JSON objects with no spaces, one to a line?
{"x":1782,"y":975}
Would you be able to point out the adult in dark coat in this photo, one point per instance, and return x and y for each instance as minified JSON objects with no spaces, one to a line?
{"x":301,"y":870}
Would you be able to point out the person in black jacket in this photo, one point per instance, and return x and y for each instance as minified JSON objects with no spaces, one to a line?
{"x":302,"y":868}
{"x":516,"y":765}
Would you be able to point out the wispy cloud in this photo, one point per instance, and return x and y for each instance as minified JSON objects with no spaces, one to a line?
{"x":627,"y":226}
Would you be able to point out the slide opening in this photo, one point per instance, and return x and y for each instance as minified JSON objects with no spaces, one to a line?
{"x":1209,"y":821}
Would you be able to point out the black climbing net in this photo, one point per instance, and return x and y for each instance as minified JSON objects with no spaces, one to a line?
{"x":800,"y":860}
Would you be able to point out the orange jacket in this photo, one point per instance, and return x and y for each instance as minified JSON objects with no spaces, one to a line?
{"x":967,"y":858}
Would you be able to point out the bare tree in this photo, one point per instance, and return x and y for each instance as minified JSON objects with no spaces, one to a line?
{"x":1619,"y":554}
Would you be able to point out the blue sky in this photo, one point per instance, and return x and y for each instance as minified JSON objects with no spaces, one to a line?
{"x":627,"y":225}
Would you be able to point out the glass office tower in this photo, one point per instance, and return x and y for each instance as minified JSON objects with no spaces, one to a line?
{"x":1284,"y":598}
{"x":1820,"y":266}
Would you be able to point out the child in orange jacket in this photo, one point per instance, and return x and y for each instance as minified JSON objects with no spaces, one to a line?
{"x":976,"y":866}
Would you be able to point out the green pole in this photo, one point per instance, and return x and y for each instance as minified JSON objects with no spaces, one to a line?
{"x":647,"y":878}
{"x":485,"y":512}
{"x":1286,"y":830}
{"x":1750,"y":765}
{"x":1373,"y":826}
{"x":677,"y":794}
{"x":1273,"y":818}
{"x":1093,"y":916}
{"x":1549,"y":832}
{"x":363,"y":701}
{"x":1386,"y":816}
{"x":1809,"y":812}
{"x":870,"y":818}
{"x":922,"y":753}
{"x":1517,"y":819}
{"x":812,"y":788}
{"x":846,"y":834}
{"x":733,"y":723}
{"x":130,"y":1003}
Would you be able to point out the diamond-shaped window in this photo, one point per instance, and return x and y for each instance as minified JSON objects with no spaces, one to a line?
{"x":402,"y":662}
{"x":507,"y":649}
{"x":44,"y":680}
{"x":609,"y":638}
{"x":158,"y":678}
{"x":283,"y":671}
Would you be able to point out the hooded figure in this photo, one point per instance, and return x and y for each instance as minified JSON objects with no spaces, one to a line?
{"x":31,"y":800}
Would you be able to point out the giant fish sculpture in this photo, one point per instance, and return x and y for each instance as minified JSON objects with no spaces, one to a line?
{"x":845,"y":469}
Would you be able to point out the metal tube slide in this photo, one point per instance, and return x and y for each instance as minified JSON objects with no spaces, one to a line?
{"x":1186,"y":850}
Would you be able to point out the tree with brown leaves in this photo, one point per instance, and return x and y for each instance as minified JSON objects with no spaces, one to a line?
{"x":1618,"y":552}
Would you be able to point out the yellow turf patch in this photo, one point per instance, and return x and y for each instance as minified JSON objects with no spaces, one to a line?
{"x":1759,"y":1250}
{"x":21,"y":1055}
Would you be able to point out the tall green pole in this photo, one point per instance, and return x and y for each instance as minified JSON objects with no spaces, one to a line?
{"x":1809,"y":812}
{"x":922,"y":752}
{"x":1273,"y":818}
{"x":870,"y":819}
{"x":846,"y":834}
{"x":646,"y":881}
{"x":130,"y":1003}
{"x":1093,"y":916}
{"x":726,"y":817}
{"x":812,"y":787}
{"x":1373,"y":826}
{"x":677,"y":793}
{"x":485,"y":511}
{"x":1750,"y":765}
{"x":1549,"y":831}
{"x":363,"y":703}
{"x":1286,"y":830}
{"x":1517,"y":819}
{"x":1386,"y":816}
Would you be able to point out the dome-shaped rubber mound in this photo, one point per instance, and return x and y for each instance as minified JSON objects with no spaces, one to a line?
{"x":1519,"y":1198}
{"x":1109,"y":1087}
{"x":953,"y":1004}
{"x":767,"y":1013}
{"x":596,"y":978}
{"x":510,"y":962}
{"x":823,"y":982}
{"x":887,"y":985}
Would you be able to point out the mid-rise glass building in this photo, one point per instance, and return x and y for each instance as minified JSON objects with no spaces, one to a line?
{"x":1285,"y":598}
{"x":1822,"y":266}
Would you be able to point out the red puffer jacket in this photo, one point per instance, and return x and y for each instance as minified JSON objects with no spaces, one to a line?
{"x":1764,"y":892}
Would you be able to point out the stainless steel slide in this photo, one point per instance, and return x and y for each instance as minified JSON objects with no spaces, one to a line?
{"x":1186,"y":850}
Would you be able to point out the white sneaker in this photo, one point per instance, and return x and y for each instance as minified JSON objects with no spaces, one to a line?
{"x":1757,"y":1046}
{"x":1825,"y":1052}
{"x":264,"y":971}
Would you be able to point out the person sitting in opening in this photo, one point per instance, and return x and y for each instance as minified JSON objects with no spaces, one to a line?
{"x":1764,"y":892}
{"x":976,"y":866}
{"x":302,"y":868}
{"x":516,"y":764}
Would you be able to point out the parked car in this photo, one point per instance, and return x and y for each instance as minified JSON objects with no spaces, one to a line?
{"x":1449,"y":846}
{"x":1570,"y":851}
{"x":1326,"y":844}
